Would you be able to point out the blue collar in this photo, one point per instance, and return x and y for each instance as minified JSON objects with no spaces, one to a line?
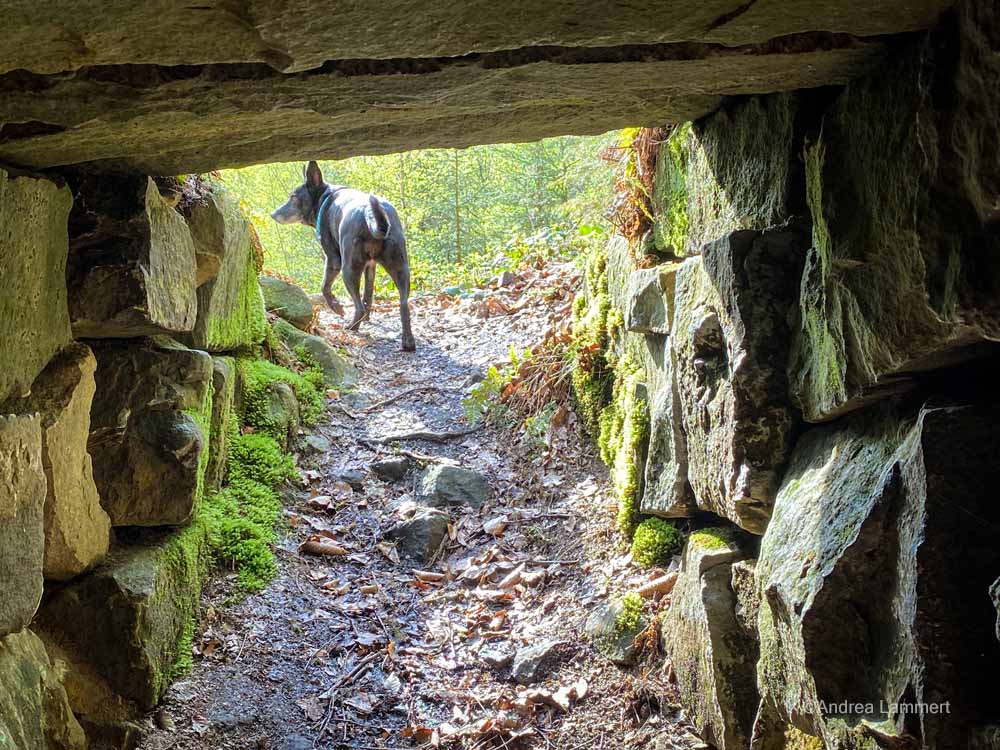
{"x":319,"y":214}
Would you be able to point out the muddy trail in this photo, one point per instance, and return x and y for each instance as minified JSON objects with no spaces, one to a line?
{"x":361,"y":647}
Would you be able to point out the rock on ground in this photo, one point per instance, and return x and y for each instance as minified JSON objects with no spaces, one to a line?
{"x":34,"y":317}
{"x":34,"y":711}
{"x":22,"y":536}
{"x":530,"y":661}
{"x":712,"y":655}
{"x":77,"y":530}
{"x":874,"y":569}
{"x":287,"y":301}
{"x":123,"y":626}
{"x":420,"y":536}
{"x":731,"y":341}
{"x":391,"y":469}
{"x":337,"y":371}
{"x":452,"y":485}
{"x":150,"y":430}
{"x":230,"y":303}
{"x":610,"y":637}
{"x":145,"y":285}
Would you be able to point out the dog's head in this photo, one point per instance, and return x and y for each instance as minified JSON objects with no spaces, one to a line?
{"x":303,"y":203}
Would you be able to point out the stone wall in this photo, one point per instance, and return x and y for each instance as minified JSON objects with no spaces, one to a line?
{"x":829,"y":257}
{"x":109,"y":443}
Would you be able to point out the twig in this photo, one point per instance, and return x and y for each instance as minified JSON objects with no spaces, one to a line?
{"x":344,"y":681}
{"x":403,"y":394}
{"x":335,"y":405}
{"x":434,"y":437}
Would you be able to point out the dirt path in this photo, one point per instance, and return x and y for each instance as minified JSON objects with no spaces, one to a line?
{"x":355,"y":651}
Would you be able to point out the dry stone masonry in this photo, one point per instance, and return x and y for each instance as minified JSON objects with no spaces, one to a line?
{"x":800,"y":359}
{"x":826,"y":256}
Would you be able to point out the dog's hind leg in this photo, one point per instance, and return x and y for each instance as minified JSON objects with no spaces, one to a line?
{"x":369,"y":295}
{"x":400,"y":275}
{"x":330,"y":276}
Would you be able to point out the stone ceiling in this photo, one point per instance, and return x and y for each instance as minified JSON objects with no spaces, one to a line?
{"x":169,"y":87}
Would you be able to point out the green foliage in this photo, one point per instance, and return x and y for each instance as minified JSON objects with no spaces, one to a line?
{"x":313,"y":372}
{"x":468,"y":213}
{"x":655,"y":542}
{"x":259,"y":458}
{"x":630,"y":613}
{"x":592,"y":374}
{"x":257,"y":374}
{"x":483,"y":400}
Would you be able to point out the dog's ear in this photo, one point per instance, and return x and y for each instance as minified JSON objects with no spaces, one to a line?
{"x":314,"y":177}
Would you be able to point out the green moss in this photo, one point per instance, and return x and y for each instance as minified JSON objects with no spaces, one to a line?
{"x":244,"y":320}
{"x":243,"y":517}
{"x":186,"y":558}
{"x":655,"y":542}
{"x":591,"y":349}
{"x":711,"y":538}
{"x":630,"y":613}
{"x":798,"y":740}
{"x":313,"y":371}
{"x":670,"y":193}
{"x":623,"y":430}
{"x":257,"y":375}
{"x":259,"y":458}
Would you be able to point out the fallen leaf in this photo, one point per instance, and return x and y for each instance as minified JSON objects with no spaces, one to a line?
{"x":317,"y":545}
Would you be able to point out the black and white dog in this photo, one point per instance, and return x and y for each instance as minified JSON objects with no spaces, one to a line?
{"x":357,"y":230}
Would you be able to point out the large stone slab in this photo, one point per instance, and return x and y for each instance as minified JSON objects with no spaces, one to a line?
{"x":34,"y":711}
{"x":290,"y":37}
{"x":34,"y":317}
{"x":650,"y":308}
{"x":230,"y":305}
{"x":712,"y":655}
{"x":151,"y":423}
{"x":123,"y":627}
{"x":873,"y":573}
{"x":22,"y":503}
{"x":154,"y":122}
{"x":902,"y":276}
{"x":77,"y":530}
{"x":730,"y":342}
{"x":132,"y":269}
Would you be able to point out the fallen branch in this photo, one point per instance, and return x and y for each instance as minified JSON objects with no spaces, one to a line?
{"x":662,"y":585}
{"x":399,"y":396}
{"x":434,"y":437}
{"x":357,"y":671}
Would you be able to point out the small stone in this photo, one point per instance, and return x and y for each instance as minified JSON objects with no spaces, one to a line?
{"x":505,"y":279}
{"x":611,"y":639}
{"x":337,"y":371}
{"x":353,"y":477}
{"x":315,"y":444}
{"x":391,"y":469}
{"x":498,"y":657}
{"x":421,"y":535}
{"x":474,"y":378}
{"x":453,"y":485}
{"x":530,"y":661}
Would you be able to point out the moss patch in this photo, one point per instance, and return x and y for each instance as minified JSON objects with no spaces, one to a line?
{"x":622,"y":439}
{"x":257,"y":374}
{"x":655,"y":542}
{"x":711,"y":538}
{"x":670,"y":193}
{"x":591,"y":350}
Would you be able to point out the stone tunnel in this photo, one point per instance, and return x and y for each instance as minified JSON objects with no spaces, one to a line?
{"x":812,"y":335}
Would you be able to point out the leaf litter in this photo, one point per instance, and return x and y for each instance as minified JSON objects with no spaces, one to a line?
{"x":356,"y":646}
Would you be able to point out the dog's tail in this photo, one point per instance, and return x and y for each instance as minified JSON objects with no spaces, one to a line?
{"x":376,"y":218}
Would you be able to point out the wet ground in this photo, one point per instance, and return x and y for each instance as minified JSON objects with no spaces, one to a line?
{"x":364,"y":650}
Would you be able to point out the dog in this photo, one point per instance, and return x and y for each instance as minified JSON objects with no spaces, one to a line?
{"x":357,"y":231}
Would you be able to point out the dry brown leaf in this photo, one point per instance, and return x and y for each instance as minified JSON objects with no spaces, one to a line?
{"x":318,"y":545}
